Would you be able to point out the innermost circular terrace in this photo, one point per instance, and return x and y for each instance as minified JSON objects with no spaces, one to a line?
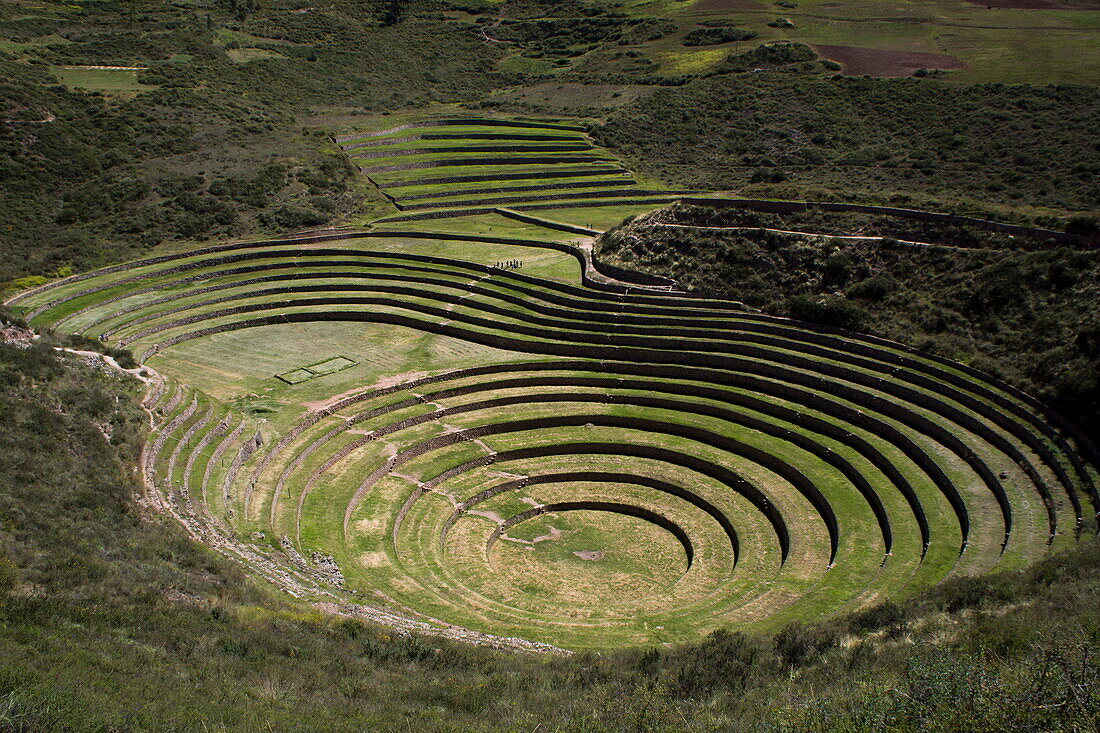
{"x":589,"y":562}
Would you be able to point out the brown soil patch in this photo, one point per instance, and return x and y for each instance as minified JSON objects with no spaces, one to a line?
{"x":884,"y":61}
{"x":1039,"y":4}
{"x":713,"y":5}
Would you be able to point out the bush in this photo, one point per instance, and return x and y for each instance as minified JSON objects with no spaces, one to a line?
{"x":875,"y":288}
{"x":837,"y":269}
{"x":828,"y":310}
{"x":715,"y":36}
{"x":1086,"y":225}
{"x":9,"y":573}
{"x":876,"y":618}
{"x":293,"y":217}
{"x":724,"y":661}
{"x":768,"y":55}
{"x":767,"y":175}
{"x":797,"y":644}
{"x":970,"y":592}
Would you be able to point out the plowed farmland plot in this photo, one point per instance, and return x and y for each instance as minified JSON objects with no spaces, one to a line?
{"x":407,"y":426}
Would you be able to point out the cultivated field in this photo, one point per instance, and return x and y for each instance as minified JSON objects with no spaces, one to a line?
{"x":1012,"y":41}
{"x":486,"y":435}
{"x":465,"y":166}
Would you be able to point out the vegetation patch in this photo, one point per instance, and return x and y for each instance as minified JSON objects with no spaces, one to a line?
{"x":785,"y":466}
{"x":716,"y":35}
{"x":691,"y":62}
{"x":93,"y":79}
{"x":245,"y":55}
{"x":786,"y":134}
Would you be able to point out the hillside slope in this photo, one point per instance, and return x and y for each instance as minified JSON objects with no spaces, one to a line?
{"x":1022,"y":310}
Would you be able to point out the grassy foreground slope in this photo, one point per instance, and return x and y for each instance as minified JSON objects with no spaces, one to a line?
{"x":114,"y":622}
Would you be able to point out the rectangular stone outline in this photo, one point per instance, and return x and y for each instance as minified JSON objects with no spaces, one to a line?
{"x":312,"y":371}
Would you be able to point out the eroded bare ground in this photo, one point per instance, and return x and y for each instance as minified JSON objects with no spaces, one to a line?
{"x":885,"y":61}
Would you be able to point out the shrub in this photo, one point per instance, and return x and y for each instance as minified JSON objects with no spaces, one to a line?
{"x":797,"y":644}
{"x":1087,"y":225}
{"x":828,"y":310}
{"x":771,"y":54}
{"x":837,"y":269}
{"x":970,"y":592}
{"x":876,"y":617}
{"x":293,"y":217}
{"x":715,"y":36}
{"x":766,"y":175}
{"x":876,"y":287}
{"x":724,"y":661}
{"x":9,"y":573}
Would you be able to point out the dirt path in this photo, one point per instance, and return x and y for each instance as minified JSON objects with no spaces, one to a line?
{"x":817,"y":235}
{"x":108,"y":68}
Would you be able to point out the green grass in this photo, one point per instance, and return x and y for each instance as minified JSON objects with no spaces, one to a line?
{"x":452,"y":131}
{"x":370,"y":154}
{"x":532,"y":174}
{"x":465,"y":190}
{"x":442,"y":159}
{"x":524,"y":65}
{"x":376,"y":129}
{"x":18,"y":47}
{"x":112,"y":81}
{"x":247,"y":55}
{"x":595,"y":217}
{"x":693,"y":61}
{"x":466,"y":193}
